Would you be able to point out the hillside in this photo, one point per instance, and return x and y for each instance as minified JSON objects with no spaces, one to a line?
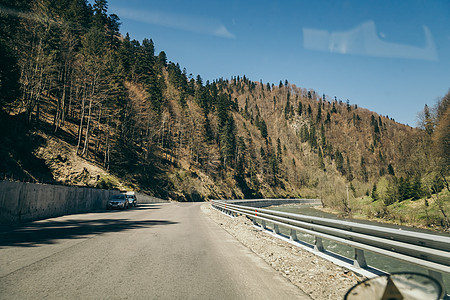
{"x":82,"y":104}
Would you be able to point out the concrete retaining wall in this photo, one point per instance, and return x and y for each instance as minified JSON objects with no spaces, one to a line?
{"x":143,"y":199}
{"x":21,"y":201}
{"x":272,"y":202}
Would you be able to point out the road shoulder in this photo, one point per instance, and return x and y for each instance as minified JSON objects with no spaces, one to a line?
{"x":318,"y":278}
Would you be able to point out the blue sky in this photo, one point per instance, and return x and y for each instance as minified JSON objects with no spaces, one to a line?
{"x":392,"y":57}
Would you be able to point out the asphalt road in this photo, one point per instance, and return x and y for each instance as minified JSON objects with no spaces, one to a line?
{"x":154,"y":251}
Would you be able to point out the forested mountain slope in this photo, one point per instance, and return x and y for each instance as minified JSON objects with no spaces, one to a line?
{"x":68,"y":77}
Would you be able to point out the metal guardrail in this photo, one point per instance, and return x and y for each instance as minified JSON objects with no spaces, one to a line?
{"x":426,"y":250}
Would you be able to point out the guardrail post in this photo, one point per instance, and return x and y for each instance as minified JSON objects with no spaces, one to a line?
{"x":276,"y":229}
{"x":293,"y":235}
{"x":318,"y":246}
{"x":360,"y":259}
{"x":254,"y":222}
{"x":436,"y":275}
{"x":263,"y":224}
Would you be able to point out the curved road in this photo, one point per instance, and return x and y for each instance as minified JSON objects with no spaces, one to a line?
{"x":154,"y":251}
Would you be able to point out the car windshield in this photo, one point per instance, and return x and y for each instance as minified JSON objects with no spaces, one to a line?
{"x":117,"y":197}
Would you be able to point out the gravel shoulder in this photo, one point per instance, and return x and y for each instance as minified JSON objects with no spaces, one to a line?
{"x":317,"y":277}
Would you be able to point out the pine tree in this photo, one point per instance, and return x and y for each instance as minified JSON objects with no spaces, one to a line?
{"x":428,"y":124}
{"x":312,"y":137}
{"x":364,"y":174}
{"x":328,"y":120}
{"x":320,"y":160}
{"x":374,"y":193}
{"x":287,"y":109}
{"x":319,"y":113}
{"x":391,"y":170}
{"x":263,"y":129}
{"x":416,"y":188}
{"x":9,"y":68}
{"x":333,"y":109}
{"x":9,"y":75}
{"x":349,"y":170}
{"x":162,"y":59}
{"x":304,"y":134}
{"x":404,"y":190}
{"x":279,"y":152}
{"x":339,"y":159}
{"x":322,"y":136}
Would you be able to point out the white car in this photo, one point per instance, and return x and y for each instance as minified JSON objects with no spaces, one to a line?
{"x":131,"y":197}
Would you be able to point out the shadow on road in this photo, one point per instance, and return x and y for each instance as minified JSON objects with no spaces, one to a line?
{"x":48,"y":232}
{"x":143,"y":206}
{"x":146,"y":206}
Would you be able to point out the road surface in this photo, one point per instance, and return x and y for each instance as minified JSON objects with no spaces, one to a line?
{"x":154,"y":251}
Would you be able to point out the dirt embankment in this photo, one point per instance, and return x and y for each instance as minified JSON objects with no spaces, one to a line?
{"x":317,"y":277}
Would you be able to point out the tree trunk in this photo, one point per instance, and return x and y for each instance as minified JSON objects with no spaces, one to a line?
{"x":86,"y":139}
{"x":80,"y":127}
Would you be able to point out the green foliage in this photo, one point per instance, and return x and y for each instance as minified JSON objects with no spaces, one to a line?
{"x":392,"y":189}
{"x":391,"y":195}
{"x":105,"y":183}
{"x":404,"y":188}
